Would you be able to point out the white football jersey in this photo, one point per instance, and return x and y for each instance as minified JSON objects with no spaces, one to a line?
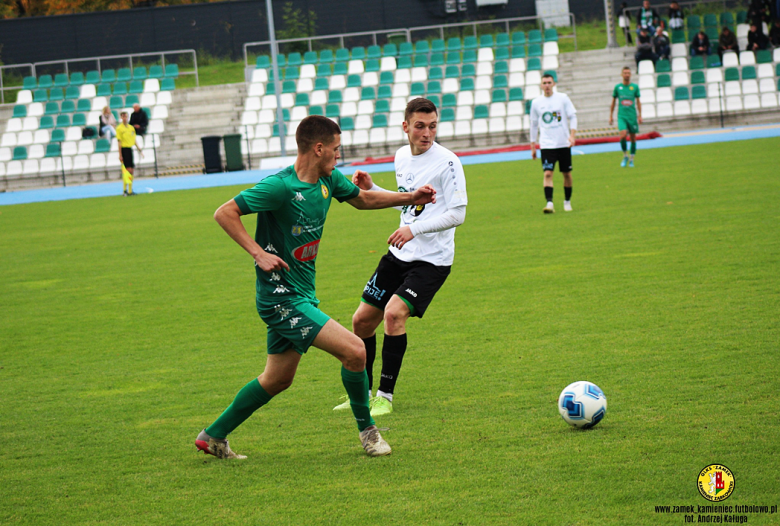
{"x":441,"y":169}
{"x":553,"y":116}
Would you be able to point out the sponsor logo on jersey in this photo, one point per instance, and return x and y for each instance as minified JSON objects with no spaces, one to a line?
{"x":627,"y":102}
{"x":307,"y":252}
{"x":413,"y":293}
{"x":294,"y":321}
{"x":296,"y":230}
{"x":409,"y":178}
{"x":298,"y":197}
{"x":305,"y":331}
{"x":372,"y":291}
{"x":325,"y":192}
{"x":270,"y":248}
{"x":418,"y":210}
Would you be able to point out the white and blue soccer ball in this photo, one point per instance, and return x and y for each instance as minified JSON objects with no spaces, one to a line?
{"x":582,"y":404}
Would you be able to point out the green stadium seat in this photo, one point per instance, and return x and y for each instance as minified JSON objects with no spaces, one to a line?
{"x":417,"y":89}
{"x":83,"y":105}
{"x":518,"y":52}
{"x":499,"y":95}
{"x":326,"y":56}
{"x":52,"y":108}
{"x":501,"y":67}
{"x":57,"y":135}
{"x":167,"y":84}
{"x":347,"y":123}
{"x":454,"y":44}
{"x":713,"y":61}
{"x":421,"y":61}
{"x":136,"y":86}
{"x":292,"y":73}
{"x":332,"y":111}
{"x":262,"y":62}
{"x":663,"y":66}
{"x":379,"y":121}
{"x":404,"y":62}
{"x":731,"y":74}
{"x":726,"y":19}
{"x":698,"y":77}
{"x":664,"y":81}
{"x":358,"y":53}
{"x":76,"y":78}
{"x":281,"y":61}
{"x":678,"y":36}
{"x":518,"y":38}
{"x":385,"y":92}
{"x":342,"y":55}
{"x":335,"y":97}
{"x":468,"y":70}
{"x":528,"y":106}
{"x":353,"y":81}
{"x":777,"y":70}
{"x":310,"y":57}
{"x":108,"y":75}
{"x":434,"y":86}
{"x":20,"y":153}
{"x":437,"y":59}
{"x":515,"y":94}
{"x":316,"y":110}
{"x":500,"y":81}
{"x":288,"y":86}
{"x":438,"y":46}
{"x":699,"y":92}
{"x":405,"y":49}
{"x":53,"y":149}
{"x":131,"y":99}
{"x":20,"y":111}
{"x":294,"y":59}
{"x":553,"y":73}
{"x":390,"y":50}
{"x":694,"y":23}
{"x":534,"y":36}
{"x":46,"y":122}
{"x":40,"y":95}
{"x":29,"y":83}
{"x":324,"y":70}
{"x":340,"y":68}
{"x":368,"y":93}
{"x":534,"y":64}
{"x":469,"y":56}
{"x":452,"y":72}
{"x":741,"y":17}
{"x":748,"y":72}
{"x":72,"y":93}
{"x":45,"y":81}
{"x":102,"y":146}
{"x":551,"y":35}
{"x":470,"y":43}
{"x":79,"y":119}
{"x":386,"y":77}
{"x":124,"y":75}
{"x":372,"y":65}
{"x":502,"y":40}
{"x":696,"y":62}
{"x":120,"y":88}
{"x":447,"y":115}
{"x":321,"y":84}
{"x":486,"y":41}
{"x":481,"y":112}
{"x":435,"y":74}
{"x":139,"y":73}
{"x":172,"y":70}
{"x":778,"y":83}
{"x":681,"y":93}
{"x":63,"y":121}
{"x":116,"y":102}
{"x":502,"y":53}
{"x":712,"y":33}
{"x":373,"y":52}
{"x":56,"y":94}
{"x":93,"y":77}
{"x":68,"y":106}
{"x":449,"y":100}
{"x":61,"y":80}
{"x":302,"y":99}
{"x":711,"y":20}
{"x":467,"y":84}
{"x":382,"y":106}
{"x":763,"y":56}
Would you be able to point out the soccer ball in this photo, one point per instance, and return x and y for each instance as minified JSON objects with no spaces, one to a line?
{"x":582,"y":404}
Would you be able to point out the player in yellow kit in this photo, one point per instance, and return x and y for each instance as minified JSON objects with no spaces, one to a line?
{"x":125,"y":134}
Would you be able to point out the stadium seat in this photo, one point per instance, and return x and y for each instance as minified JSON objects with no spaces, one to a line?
{"x":699,"y":107}
{"x":699,"y":92}
{"x":124,"y":75}
{"x":731,"y":74}
{"x":502,"y":53}
{"x":498,"y":109}
{"x":682,"y":108}
{"x":167,"y":84}
{"x":20,"y":153}
{"x":20,"y":111}
{"x":449,"y":86}
{"x":534,"y":50}
{"x":648,"y":96}
{"x":8,"y":140}
{"x":646,"y":67}
{"x":104,"y":90}
{"x":681,"y":93}
{"x":648,"y":111}
{"x":733,"y":88}
{"x":697,"y":77}
{"x":437,"y":59}
{"x":713,"y":61}
{"x":108,"y":75}
{"x":714,"y":75}
{"x":680,"y":78}
{"x":36,"y":151}
{"x":680,"y":64}
{"x":763,"y":56}
{"x":749,"y":87}
{"x":663,"y":66}
{"x":61,"y":80}
{"x":434,"y":86}
{"x":765,"y":71}
{"x":45,"y":81}
{"x":120,"y":88}
{"x":51,"y":108}
{"x":730,"y":59}
{"x":734,"y":103}
{"x":749,"y":72}
{"x":550,"y":63}
{"x":502,"y":40}
{"x":39,"y":95}
{"x":747,"y":58}
{"x":769,"y":100}
{"x":696,"y":63}
{"x":663,"y":95}
{"x":172,"y":71}
{"x":86,"y":147}
{"x":29,"y":83}
{"x":388,"y":64}
{"x":679,"y":50}
{"x":549,"y":49}
{"x":30,"y":167}
{"x":534,"y":64}
{"x":751,"y":102}
{"x":767,"y":85}
{"x":663,"y":81}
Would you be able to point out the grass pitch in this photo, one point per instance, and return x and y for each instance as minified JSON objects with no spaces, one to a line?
{"x":127,"y":325}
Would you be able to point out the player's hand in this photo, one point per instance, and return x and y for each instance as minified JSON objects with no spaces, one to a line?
{"x":610,"y":120}
{"x":142,"y":154}
{"x":533,"y":151}
{"x":639,"y":119}
{"x":362,"y":180}
{"x":400,"y":237}
{"x":269,"y":263}
{"x":572,"y":141}
{"x":424,"y":195}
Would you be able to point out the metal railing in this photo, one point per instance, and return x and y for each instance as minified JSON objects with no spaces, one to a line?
{"x":3,"y":88}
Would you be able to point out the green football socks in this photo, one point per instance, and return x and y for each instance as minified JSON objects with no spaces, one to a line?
{"x":356,"y":385}
{"x":248,"y":400}
{"x":633,"y":147}
{"x":623,"y":144}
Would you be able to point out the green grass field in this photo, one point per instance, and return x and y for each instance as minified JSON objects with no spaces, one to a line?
{"x":128,"y":325}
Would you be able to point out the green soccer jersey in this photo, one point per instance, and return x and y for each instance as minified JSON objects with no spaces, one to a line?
{"x":290,"y":218}
{"x":626,"y":96}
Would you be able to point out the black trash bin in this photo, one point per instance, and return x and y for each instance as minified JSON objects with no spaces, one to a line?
{"x":212,"y":159}
{"x":233,"y":159}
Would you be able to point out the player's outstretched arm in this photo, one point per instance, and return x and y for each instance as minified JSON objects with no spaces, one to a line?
{"x":362,"y":180}
{"x":611,"y":110}
{"x":229,"y":218}
{"x":368,"y":200}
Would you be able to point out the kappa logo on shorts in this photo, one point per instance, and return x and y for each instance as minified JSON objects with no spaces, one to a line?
{"x":294,"y":321}
{"x":283,"y":312}
{"x":275,"y":277}
{"x":305,"y":331}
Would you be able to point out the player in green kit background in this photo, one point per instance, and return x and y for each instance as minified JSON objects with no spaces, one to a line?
{"x":291,"y":208}
{"x":629,"y":114}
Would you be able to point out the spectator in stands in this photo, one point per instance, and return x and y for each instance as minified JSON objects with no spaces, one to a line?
{"x":676,"y":16}
{"x":648,"y":18}
{"x":661,"y":43}
{"x":700,"y":44}
{"x":107,"y":124}
{"x":644,"y":47}
{"x":624,"y":22}
{"x":139,"y":120}
{"x":756,"y":38}
{"x":774,"y":33}
{"x":727,"y":41}
{"x":758,"y":12}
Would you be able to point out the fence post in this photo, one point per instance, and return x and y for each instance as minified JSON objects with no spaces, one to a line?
{"x":248,"y":150}
{"x":154,"y":148}
{"x":720,"y":102}
{"x":62,"y":166}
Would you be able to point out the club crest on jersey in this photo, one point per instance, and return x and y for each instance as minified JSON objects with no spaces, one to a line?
{"x":307,"y":252}
{"x":296,"y":230}
{"x":325,"y":192}
{"x":548,"y":117}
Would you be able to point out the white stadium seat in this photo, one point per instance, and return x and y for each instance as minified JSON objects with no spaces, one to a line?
{"x":645,"y":82}
{"x":263,"y":131}
{"x":485,"y":54}
{"x":743,"y":30}
{"x":479,"y":127}
{"x":497,"y":125}
{"x":97,"y":161}
{"x":663,"y":95}
{"x":767,"y":85}
{"x":13,"y":168}
{"x":699,"y":107}
{"x":305,"y":85}
{"x":398,"y":104}
{"x":156,"y":126}
{"x":680,"y":78}
{"x":346,"y":138}
{"x":363,"y":122}
{"x":5,"y":154}
{"x":259,"y":146}
{"x":648,"y":111}
{"x":395,"y":135}
{"x":483,"y":82}
{"x":288,"y":100}
{"x":550,"y":48}
{"x":360,"y":137}
{"x":550,"y":62}
{"x":776,"y":55}
{"x":160,"y":112}
{"x":41,"y":137}
{"x":151,"y":85}
{"x":268,"y":102}
{"x":365,"y":107}
{"x":377,"y":136}
{"x":749,"y":87}
{"x":249,"y":118}
{"x":482,"y":96}
{"x":463,"y":113}
{"x":148,"y":100}
{"x":14,"y":125}
{"x":403,"y":76}
{"x":349,"y":109}
{"x":498,"y":109}
{"x":679,"y":50}
{"x":255,"y":90}
{"x":370,"y":79}
{"x":716,"y":105}
{"x":252,"y":104}
{"x":336,"y":82}
{"x":485,"y":68}
{"x":259,"y":75}
{"x":682,"y":108}
{"x":516,"y":80}
{"x":465,"y":98}
{"x":747,"y":58}
{"x":514,"y":108}
{"x":165,"y":98}
{"x":734,"y":103}
{"x":35,"y":109}
{"x":70,"y":148}
{"x":450,"y":86}
{"x":8,"y":140}
{"x":715,"y":90}
{"x":752,"y":102}
{"x":388,"y":64}
{"x":680,"y":64}
{"x":768,"y":100}
{"x":299,"y":113}
{"x":516,"y":64}
{"x":532,"y":90}
{"x":445,"y":130}
{"x":307,"y":71}
{"x":30,"y":123}
{"x":395,"y":120}
{"x":419,"y":74}
{"x":514,"y":123}
{"x":48,"y":165}
{"x":730,"y":59}
{"x":86,"y":147}
{"x":30,"y":167}
{"x":36,"y":151}
{"x":2,"y":169}
{"x":462,"y":128}
{"x":81,"y":162}
{"x":648,"y":96}
{"x":646,"y":67}
{"x":24,"y":138}
{"x":400,"y":90}
{"x":765,"y":71}
{"x":733,"y":88}
{"x":98,"y":103}
{"x":533,"y":78}
{"x":24,"y":97}
{"x":664,"y":110}
{"x":319,"y":97}
{"x":355,"y":67}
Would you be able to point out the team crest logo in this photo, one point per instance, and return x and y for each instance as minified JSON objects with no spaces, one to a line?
{"x":631,"y":88}
{"x":715,"y":482}
{"x":548,"y":117}
{"x":296,"y":230}
{"x":324,"y":191}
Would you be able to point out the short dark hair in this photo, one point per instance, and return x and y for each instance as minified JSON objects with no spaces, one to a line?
{"x":419,"y":105}
{"x":625,"y":68}
{"x":548,"y":75}
{"x":314,"y":129}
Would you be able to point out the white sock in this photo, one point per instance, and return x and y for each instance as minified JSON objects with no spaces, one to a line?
{"x":389,"y":396}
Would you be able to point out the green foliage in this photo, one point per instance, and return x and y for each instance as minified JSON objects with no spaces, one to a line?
{"x":297,"y":25}
{"x":128,"y":325}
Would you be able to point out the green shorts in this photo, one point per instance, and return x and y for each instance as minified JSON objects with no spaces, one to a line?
{"x":292,"y":325}
{"x":628,"y":123}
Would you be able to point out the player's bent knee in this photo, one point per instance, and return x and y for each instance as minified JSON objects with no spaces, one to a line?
{"x":395,"y":319}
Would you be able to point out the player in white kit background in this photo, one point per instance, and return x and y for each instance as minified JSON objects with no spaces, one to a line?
{"x":421,"y":251}
{"x":554,"y":119}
